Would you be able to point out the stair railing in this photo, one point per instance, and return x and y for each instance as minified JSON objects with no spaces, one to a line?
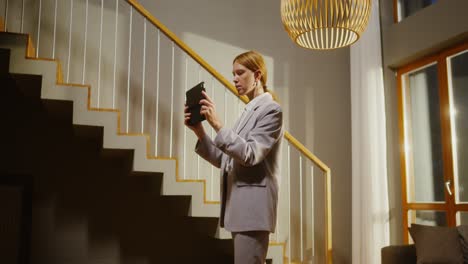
{"x":108,"y":45}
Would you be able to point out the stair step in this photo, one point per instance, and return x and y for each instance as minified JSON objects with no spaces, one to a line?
{"x":115,"y":200}
{"x":28,"y":84}
{"x":85,"y":181}
{"x":4,"y":61}
{"x":146,"y":182}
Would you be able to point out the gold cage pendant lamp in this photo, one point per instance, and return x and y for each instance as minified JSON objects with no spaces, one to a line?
{"x":325,"y":24}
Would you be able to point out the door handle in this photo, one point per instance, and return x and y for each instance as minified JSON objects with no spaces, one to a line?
{"x":447,"y":186}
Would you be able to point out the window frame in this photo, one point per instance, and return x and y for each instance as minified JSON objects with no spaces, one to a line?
{"x":396,"y":5}
{"x":395,"y":11}
{"x":450,"y":207}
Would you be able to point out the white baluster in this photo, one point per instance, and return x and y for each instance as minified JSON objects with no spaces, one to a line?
{"x":129,"y":64}
{"x":289,"y":206}
{"x":22,"y":16}
{"x":156,"y":140}
{"x":115,"y":49}
{"x":212,"y":132}
{"x":185,"y":127}
{"x":300,"y":208}
{"x":143,"y":79}
{"x":172,"y":101}
{"x":313,"y":220}
{"x":38,"y":27}
{"x":55,"y":29}
{"x":85,"y":44}
{"x":277,"y":232}
{"x":198,"y":156}
{"x":69,"y":40}
{"x":100,"y":56}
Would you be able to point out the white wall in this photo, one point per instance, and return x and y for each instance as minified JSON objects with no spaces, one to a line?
{"x":313,"y":86}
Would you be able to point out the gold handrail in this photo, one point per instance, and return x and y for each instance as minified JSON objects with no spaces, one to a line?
{"x":327,"y":171}
{"x":231,"y":88}
{"x":306,"y":152}
{"x":185,"y":48}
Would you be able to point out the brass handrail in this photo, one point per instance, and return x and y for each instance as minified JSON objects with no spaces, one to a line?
{"x":231,"y":88}
{"x":327,"y":171}
{"x":185,"y":48}
{"x":306,"y":152}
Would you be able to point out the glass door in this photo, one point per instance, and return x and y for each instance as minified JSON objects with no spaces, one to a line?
{"x":433,"y":103}
{"x":457,"y":72}
{"x":423,"y":163}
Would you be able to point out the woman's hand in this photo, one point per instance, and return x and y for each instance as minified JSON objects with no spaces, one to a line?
{"x":209,"y":111}
{"x":197,"y":128}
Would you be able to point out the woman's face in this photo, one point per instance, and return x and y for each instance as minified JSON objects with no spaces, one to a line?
{"x":244,"y":79}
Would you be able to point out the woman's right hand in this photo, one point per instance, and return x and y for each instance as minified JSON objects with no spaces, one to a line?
{"x":197,"y":128}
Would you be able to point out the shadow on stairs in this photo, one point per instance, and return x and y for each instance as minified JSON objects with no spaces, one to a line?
{"x":87,"y":204}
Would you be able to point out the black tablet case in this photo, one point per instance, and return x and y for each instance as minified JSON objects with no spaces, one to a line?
{"x":193,"y":96}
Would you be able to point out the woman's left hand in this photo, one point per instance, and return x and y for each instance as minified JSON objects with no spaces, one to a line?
{"x":209,"y":111}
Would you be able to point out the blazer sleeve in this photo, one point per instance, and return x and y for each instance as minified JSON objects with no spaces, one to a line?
{"x":253,"y":149}
{"x":208,"y":151}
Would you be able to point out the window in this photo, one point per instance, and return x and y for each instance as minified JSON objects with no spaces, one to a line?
{"x":433,"y":103}
{"x":405,"y":8}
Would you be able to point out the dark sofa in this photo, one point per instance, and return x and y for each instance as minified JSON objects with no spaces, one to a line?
{"x":434,"y":244}
{"x":401,"y":254}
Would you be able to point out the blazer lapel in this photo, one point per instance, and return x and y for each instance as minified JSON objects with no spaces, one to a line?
{"x":237,"y":125}
{"x":250,"y":113}
{"x":245,"y":120}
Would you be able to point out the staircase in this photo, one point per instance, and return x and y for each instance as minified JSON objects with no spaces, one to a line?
{"x":104,"y":193}
{"x":40,"y":80}
{"x":89,"y":205}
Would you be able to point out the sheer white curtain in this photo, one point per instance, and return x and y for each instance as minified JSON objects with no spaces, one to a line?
{"x":370,"y":210}
{"x":420,"y":137}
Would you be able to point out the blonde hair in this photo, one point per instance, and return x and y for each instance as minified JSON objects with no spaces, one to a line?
{"x":253,"y":61}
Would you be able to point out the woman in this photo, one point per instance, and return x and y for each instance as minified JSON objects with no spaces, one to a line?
{"x":248,"y":156}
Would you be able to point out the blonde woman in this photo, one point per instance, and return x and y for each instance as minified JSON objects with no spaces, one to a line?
{"x":248,"y":157}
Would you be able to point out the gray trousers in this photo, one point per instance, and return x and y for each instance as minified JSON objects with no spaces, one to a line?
{"x":250,"y":247}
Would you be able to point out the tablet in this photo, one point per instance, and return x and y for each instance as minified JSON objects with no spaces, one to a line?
{"x":193,"y":97}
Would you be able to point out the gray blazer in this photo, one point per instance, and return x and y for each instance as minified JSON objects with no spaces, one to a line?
{"x":249,"y":159}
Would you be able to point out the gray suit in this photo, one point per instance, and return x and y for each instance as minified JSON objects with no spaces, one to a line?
{"x":249,"y":158}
